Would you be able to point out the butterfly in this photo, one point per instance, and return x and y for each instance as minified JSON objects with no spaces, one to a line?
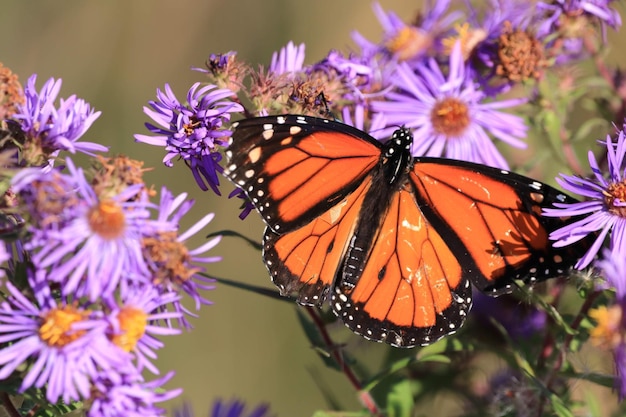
{"x":391,"y":241}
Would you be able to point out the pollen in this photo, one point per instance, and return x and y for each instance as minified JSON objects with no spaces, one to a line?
{"x":56,"y":328}
{"x":408,"y":43}
{"x":190,"y":128}
{"x":520,"y":55}
{"x":615,"y":198}
{"x":450,"y":117}
{"x":169,"y":259}
{"x":607,"y":332}
{"x":133,"y":323}
{"x":107,"y":219}
{"x":468,"y":37}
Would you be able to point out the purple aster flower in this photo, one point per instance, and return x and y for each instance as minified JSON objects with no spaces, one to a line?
{"x":65,"y":342}
{"x":521,"y":321}
{"x":404,"y":42}
{"x":503,"y":42}
{"x":604,"y":210}
{"x":4,"y":257}
{"x":288,"y":60}
{"x":193,"y":131}
{"x":559,"y":11}
{"x":54,"y":128}
{"x":129,"y":396}
{"x":87,"y":243}
{"x":134,"y":323}
{"x":236,"y":408}
{"x":246,"y":205}
{"x":173,"y":266}
{"x":356,"y":116}
{"x":448,"y":115}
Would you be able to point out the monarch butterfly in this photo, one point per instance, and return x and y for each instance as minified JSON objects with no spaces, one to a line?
{"x":392,"y":241}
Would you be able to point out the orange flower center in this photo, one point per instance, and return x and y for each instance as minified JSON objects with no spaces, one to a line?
{"x":56,"y":329}
{"x":468,"y":37}
{"x":132,"y":328}
{"x":450,"y":117}
{"x":616,"y":193}
{"x":607,"y":332}
{"x":107,"y":219}
{"x":408,"y":43}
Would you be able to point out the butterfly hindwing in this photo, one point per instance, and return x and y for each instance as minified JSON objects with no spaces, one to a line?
{"x":294,"y":168}
{"x":304,"y":262}
{"x":410,"y":288}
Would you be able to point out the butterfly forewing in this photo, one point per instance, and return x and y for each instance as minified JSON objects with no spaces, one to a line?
{"x":499,"y":233}
{"x":294,"y":168}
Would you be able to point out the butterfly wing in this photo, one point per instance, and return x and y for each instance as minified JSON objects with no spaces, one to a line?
{"x":409,"y":288}
{"x":303,"y":263}
{"x":492,"y":221}
{"x":295,"y":168}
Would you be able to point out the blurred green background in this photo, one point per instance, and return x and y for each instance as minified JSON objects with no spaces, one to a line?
{"x":115,"y":54}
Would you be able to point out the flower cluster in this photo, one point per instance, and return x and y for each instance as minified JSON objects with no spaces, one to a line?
{"x":454,"y":77}
{"x":94,"y":270}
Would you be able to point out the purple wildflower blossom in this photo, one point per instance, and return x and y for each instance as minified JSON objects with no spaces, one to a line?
{"x":134,"y":323}
{"x":236,"y":408}
{"x":57,"y":128}
{"x":66,"y":342}
{"x":193,"y":131}
{"x":605,"y":208}
{"x":406,"y":42}
{"x":288,"y":60}
{"x":180,"y":269}
{"x":89,"y":244}
{"x":448,"y":115}
{"x":556,"y":10}
{"x":129,"y":396}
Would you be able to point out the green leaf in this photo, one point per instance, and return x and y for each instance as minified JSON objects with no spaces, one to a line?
{"x":600,"y":379}
{"x":321,"y":413}
{"x":400,"y":401}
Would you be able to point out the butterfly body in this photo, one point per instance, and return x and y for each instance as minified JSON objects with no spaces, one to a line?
{"x":391,"y":241}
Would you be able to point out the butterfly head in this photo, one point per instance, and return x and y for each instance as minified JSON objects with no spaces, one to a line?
{"x":397,"y":156}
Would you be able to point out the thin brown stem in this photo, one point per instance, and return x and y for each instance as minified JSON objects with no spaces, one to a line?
{"x":336,"y":354}
{"x":8,"y":406}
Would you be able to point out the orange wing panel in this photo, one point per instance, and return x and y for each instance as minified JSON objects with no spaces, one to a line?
{"x":305,"y":261}
{"x":411,"y":273}
{"x":487,"y":216}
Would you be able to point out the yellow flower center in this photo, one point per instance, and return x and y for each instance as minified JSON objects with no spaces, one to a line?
{"x":132,"y":328}
{"x":450,"y":117}
{"x":607,"y":332}
{"x":408,"y":43}
{"x":468,"y":37}
{"x":107,"y":219}
{"x":56,"y":329}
